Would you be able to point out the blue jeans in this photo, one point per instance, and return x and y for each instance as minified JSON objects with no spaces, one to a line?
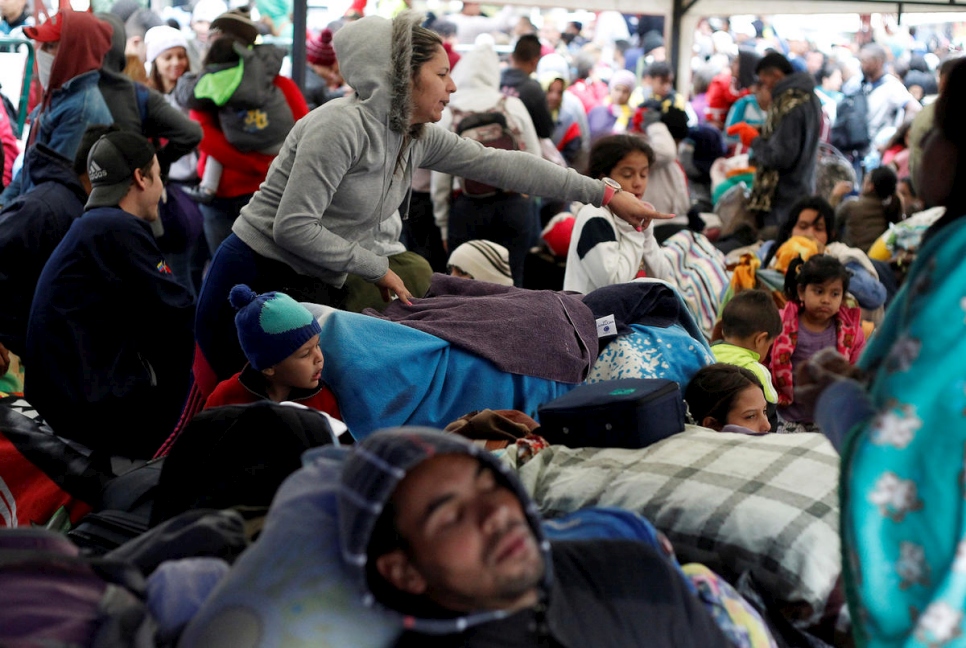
{"x":236,"y":263}
{"x":219,"y":216}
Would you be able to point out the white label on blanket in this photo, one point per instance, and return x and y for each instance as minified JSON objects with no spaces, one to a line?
{"x":606,"y":326}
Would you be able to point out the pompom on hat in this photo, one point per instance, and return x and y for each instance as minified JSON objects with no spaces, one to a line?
{"x":271,"y":326}
{"x":558,"y":232}
{"x":208,"y":10}
{"x":319,"y":50}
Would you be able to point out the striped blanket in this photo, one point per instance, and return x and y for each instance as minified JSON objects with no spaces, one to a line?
{"x":701,"y":273}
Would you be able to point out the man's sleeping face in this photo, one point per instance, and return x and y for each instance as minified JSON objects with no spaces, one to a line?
{"x":466,"y":542}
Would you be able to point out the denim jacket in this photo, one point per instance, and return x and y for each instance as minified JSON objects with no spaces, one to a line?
{"x":75,"y":106}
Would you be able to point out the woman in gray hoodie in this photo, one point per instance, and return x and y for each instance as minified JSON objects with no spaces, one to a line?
{"x":331,"y":203}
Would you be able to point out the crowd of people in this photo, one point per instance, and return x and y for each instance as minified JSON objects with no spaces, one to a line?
{"x":181,"y":219}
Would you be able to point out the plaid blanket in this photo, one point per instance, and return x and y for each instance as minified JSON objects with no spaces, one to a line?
{"x":767,"y":504}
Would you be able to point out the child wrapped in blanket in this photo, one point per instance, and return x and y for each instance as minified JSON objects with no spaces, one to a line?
{"x":237,"y":82}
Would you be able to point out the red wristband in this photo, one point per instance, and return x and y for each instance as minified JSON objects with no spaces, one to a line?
{"x":609,"y":192}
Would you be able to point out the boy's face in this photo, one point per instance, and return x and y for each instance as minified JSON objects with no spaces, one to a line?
{"x":763,"y":344}
{"x":302,"y":369}
{"x":662,"y":86}
{"x":631,"y":173}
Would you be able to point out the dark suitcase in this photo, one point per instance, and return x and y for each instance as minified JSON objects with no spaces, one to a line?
{"x":626,"y":413}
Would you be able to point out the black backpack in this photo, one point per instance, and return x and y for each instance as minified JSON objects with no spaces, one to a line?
{"x":850,"y":132}
{"x":226,"y":456}
{"x":489,"y":128}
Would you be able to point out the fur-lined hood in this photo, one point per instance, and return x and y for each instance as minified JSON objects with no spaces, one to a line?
{"x":375,"y":57}
{"x":370,"y":476}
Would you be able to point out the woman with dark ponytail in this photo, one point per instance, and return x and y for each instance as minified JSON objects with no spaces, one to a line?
{"x":865,"y":218}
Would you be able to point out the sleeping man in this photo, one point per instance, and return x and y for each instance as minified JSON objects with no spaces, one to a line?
{"x":439,"y":531}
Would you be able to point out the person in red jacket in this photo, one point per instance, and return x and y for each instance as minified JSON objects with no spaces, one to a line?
{"x":243,"y":172}
{"x":280,"y":338}
{"x":729,"y":86}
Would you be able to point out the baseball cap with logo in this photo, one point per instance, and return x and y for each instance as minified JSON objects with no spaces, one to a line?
{"x":111,"y":164}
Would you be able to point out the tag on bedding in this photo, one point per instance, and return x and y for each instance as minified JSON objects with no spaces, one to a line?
{"x":606,"y":326}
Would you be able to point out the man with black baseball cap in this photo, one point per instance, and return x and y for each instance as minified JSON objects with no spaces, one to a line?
{"x":109,"y":339}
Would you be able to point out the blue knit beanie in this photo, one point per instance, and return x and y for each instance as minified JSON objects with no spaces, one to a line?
{"x":271,"y":326}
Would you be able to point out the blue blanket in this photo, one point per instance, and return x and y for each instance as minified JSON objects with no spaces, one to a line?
{"x":386,"y":374}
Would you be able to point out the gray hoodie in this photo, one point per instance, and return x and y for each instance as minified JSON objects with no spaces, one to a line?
{"x":370,"y":476}
{"x":335,"y":185}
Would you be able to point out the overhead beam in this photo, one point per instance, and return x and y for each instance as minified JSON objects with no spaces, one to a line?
{"x":773,"y":7}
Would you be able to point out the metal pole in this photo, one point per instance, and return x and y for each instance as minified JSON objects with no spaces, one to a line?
{"x":299,"y":10}
{"x":678,"y":9}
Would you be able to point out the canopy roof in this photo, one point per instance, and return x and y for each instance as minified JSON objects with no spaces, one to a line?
{"x":734,"y":7}
{"x":684,"y":15}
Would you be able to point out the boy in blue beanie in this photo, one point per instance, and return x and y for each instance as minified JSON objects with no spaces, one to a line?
{"x":280,"y":338}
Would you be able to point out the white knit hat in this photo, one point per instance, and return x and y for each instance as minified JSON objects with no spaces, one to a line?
{"x":159,"y":39}
{"x":208,"y":10}
{"x":484,"y":261}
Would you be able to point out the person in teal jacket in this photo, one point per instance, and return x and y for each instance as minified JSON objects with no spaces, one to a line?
{"x":903,"y":434}
{"x":746,"y":109}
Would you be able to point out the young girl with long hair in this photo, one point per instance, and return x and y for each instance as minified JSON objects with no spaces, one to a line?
{"x":728,"y":398}
{"x":816,"y":316}
{"x":605,"y":249}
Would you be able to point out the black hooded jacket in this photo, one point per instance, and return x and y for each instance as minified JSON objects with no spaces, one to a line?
{"x":30,"y":228}
{"x":109,"y":339}
{"x":128,"y":101}
{"x":604,"y":593}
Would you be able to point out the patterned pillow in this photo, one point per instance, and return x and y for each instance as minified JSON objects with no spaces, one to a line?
{"x":767,"y":504}
{"x":652,"y":352}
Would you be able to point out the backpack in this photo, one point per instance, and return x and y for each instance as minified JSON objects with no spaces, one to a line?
{"x":12,"y":115}
{"x":236,"y":455}
{"x":493,"y":128}
{"x":44,"y":480}
{"x":850,"y":132}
